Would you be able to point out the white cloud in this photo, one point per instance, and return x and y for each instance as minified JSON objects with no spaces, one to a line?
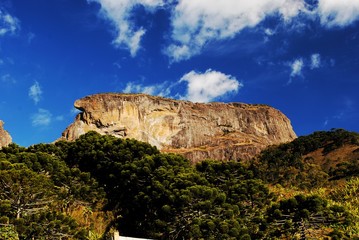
{"x":59,"y":118}
{"x":297,"y":67}
{"x":35,"y":92}
{"x":201,"y":87}
{"x":195,"y":23}
{"x":325,"y":122}
{"x":117,"y":65}
{"x":8,"y":23}
{"x":119,"y":13}
{"x":269,"y":32}
{"x":42,"y":118}
{"x":30,"y":37}
{"x":315,"y":61}
{"x":198,"y":22}
{"x":7,"y":78}
{"x":338,"y":12}
{"x":157,"y":89}
{"x":205,"y":87}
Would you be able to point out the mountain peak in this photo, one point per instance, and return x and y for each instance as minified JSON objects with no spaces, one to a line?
{"x":198,"y":131}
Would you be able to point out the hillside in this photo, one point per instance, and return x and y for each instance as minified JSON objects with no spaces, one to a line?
{"x":311,"y":161}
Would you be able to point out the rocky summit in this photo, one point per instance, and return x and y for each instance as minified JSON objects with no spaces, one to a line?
{"x":5,"y":138}
{"x":196,"y":130}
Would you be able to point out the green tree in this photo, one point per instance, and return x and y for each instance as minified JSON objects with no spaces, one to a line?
{"x":35,"y":186}
{"x":295,"y":216}
{"x":25,"y":191}
{"x":49,"y":225}
{"x":246,"y":196}
{"x":8,"y":232}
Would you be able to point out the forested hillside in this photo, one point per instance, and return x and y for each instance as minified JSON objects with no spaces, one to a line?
{"x":311,"y":161}
{"x":87,"y":188}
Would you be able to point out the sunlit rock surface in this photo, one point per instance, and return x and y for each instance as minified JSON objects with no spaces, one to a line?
{"x":5,"y":138}
{"x":196,"y":130}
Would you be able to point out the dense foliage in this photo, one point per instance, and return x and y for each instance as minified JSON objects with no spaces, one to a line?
{"x":37,"y":188}
{"x":67,"y":189}
{"x":298,"y":215}
{"x":163,"y":196}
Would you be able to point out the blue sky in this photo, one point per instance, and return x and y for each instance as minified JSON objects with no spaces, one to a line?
{"x":299,"y":56}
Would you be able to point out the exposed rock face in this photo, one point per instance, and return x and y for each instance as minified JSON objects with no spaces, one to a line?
{"x":5,"y":138}
{"x":196,"y":130}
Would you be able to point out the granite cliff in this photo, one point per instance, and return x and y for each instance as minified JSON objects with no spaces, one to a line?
{"x":196,"y":130}
{"x":5,"y":138}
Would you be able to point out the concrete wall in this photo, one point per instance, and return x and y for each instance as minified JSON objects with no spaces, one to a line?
{"x":116,"y":236}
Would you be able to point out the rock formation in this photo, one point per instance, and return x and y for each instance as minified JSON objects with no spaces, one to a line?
{"x":196,"y":130}
{"x":5,"y":138}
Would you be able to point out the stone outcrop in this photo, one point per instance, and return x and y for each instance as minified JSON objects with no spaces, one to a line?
{"x":196,"y":130}
{"x":5,"y":138}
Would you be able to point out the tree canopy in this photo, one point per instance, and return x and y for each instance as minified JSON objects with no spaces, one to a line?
{"x":74,"y":190}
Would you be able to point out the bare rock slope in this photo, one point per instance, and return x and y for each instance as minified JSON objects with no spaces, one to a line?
{"x":5,"y":138}
{"x":196,"y":130}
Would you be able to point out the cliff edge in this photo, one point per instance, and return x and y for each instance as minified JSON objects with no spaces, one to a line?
{"x":5,"y":138}
{"x":196,"y":130}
